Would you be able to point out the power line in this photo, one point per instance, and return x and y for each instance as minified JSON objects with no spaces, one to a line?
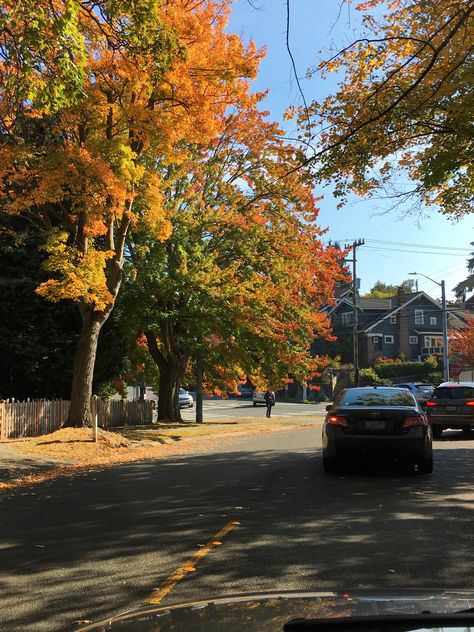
{"x":425,"y":252}
{"x":431,"y":246}
{"x":407,"y":244}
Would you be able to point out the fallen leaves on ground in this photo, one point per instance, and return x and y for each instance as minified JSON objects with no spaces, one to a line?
{"x":73,"y":449}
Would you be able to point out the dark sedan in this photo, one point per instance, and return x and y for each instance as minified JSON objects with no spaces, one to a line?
{"x":377,"y":422}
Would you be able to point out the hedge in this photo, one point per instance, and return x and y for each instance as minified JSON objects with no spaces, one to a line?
{"x":399,"y":369}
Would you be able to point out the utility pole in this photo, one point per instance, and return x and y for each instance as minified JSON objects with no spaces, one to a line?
{"x":199,"y":370}
{"x":445,"y":333}
{"x":355,"y":317}
{"x":444,"y":317}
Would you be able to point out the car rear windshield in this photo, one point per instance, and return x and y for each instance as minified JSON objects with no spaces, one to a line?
{"x":453,"y":392}
{"x":379,"y":397}
{"x":424,"y":387}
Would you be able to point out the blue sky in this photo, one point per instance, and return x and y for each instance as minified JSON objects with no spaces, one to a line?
{"x":432,"y":245}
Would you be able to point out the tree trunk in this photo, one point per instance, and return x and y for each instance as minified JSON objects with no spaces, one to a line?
{"x":172,"y":368}
{"x":84,"y":361}
{"x":168,"y":395}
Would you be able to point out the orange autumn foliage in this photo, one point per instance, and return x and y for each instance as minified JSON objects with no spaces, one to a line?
{"x":86,"y":167}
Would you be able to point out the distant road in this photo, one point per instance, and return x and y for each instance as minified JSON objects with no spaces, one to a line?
{"x":233,"y":407}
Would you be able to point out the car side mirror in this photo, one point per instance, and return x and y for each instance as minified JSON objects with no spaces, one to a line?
{"x":329,"y":406}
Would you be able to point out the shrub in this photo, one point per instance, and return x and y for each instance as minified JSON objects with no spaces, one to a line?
{"x":400,"y":369}
{"x":368,"y":376}
{"x":435,"y":378}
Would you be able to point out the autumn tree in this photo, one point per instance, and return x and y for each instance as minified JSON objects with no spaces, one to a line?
{"x":404,"y":106}
{"x":244,"y":272}
{"x":461,"y":345}
{"x":93,"y":94}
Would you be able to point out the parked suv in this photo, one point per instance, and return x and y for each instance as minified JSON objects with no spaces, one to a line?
{"x":451,"y":406}
{"x":422,"y":392}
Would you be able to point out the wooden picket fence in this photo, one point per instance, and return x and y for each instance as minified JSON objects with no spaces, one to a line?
{"x":35,"y":418}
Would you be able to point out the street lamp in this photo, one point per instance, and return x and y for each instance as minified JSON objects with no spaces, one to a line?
{"x":445,"y":323}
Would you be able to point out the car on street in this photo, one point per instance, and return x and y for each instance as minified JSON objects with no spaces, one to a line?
{"x":258,"y":398}
{"x":377,"y":423}
{"x":244,"y":391}
{"x":185,"y":399}
{"x":422,"y":392}
{"x":451,"y":406}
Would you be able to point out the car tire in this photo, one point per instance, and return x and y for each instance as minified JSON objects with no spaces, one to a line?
{"x":255,"y":403}
{"x":329,"y":464}
{"x":437,"y":430}
{"x":426,"y":466}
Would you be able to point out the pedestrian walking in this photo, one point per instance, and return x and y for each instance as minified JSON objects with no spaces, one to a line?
{"x":269,"y":397}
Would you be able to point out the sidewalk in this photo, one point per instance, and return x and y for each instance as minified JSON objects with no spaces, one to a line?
{"x":26,"y":461}
{"x":15,"y":466}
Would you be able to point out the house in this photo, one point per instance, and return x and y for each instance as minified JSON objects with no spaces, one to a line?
{"x":405,"y":324}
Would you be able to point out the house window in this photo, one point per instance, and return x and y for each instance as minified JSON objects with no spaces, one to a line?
{"x":389,"y":340}
{"x":419,"y":319}
{"x":413,"y":340}
{"x":346,"y":318}
{"x":433,"y":320}
{"x":377,"y":342}
{"x":393,"y":319}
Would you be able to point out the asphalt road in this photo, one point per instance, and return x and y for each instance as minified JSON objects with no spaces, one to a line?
{"x":242,"y":407}
{"x":87,"y":546}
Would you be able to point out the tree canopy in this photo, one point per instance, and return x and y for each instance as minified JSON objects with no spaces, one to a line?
{"x":383,"y":290}
{"x":467,"y":285}
{"x":461,"y":344}
{"x":404,"y":107}
{"x":244,"y":272}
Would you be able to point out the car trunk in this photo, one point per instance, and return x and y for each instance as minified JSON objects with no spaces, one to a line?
{"x":383,"y":420}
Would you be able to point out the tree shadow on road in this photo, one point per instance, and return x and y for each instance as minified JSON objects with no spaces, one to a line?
{"x":87,"y":546}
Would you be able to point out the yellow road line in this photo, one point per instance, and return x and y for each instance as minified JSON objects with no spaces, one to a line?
{"x":189,"y":566}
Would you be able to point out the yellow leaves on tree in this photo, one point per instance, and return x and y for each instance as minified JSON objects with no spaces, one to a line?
{"x":78,"y":276}
{"x":151,"y":75}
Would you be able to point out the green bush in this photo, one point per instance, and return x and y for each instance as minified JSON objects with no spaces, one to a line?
{"x":435,"y":378}
{"x":400,"y":369}
{"x":368,"y":376}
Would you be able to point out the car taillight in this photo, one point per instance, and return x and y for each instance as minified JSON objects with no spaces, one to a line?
{"x":414,"y":422}
{"x":337,"y":420}
{"x":430,"y":403}
{"x":470,"y":403}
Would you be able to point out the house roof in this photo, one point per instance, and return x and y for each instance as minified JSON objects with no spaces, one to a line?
{"x":410,"y":298}
{"x":375,"y":303}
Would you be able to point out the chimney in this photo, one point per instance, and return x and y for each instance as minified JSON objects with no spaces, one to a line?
{"x":401,"y":296}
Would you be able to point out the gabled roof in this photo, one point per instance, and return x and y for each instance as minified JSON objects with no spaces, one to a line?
{"x":364,"y":304}
{"x":412,"y":297}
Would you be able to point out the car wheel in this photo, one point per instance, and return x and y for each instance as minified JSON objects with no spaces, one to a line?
{"x":426,"y":466}
{"x":329,"y":464}
{"x":437,"y":430}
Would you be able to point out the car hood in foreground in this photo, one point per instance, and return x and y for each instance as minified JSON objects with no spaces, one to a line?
{"x":269,"y":612}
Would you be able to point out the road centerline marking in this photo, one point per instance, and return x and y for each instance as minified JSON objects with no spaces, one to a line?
{"x":189,"y":566}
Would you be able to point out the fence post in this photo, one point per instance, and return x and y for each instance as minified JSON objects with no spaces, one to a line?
{"x":3,"y":420}
{"x":95,"y":418}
